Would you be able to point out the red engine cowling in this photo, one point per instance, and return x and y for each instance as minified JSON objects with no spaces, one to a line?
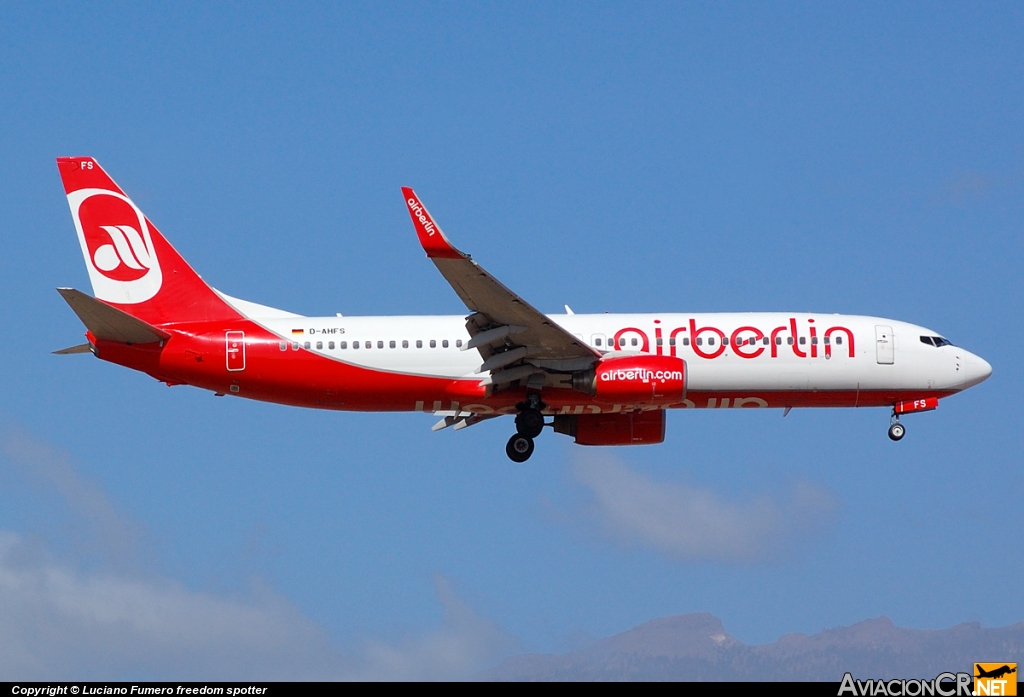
{"x":624,"y":428}
{"x":643,"y":380}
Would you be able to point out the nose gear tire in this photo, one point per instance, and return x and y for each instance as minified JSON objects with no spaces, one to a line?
{"x":896,"y":431}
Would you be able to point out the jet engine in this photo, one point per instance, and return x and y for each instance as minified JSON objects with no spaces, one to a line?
{"x":624,"y":428}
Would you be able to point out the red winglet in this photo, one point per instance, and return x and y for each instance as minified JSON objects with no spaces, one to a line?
{"x":435,"y":244}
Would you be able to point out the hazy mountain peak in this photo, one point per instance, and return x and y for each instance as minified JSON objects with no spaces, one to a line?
{"x":697,"y":647}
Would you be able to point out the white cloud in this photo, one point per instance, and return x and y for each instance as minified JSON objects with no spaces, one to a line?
{"x":61,"y":621}
{"x":113,"y":536}
{"x":465,"y":644}
{"x":694,"y":523}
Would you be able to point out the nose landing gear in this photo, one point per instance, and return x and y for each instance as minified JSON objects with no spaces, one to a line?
{"x":896,"y":429}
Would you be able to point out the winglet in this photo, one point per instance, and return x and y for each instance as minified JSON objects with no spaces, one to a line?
{"x":435,"y":244}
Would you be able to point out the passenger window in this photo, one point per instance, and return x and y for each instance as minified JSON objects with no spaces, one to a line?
{"x":433,"y":344}
{"x":405,"y":343}
{"x":725,"y":341}
{"x":330,"y":345}
{"x":306,"y":345}
{"x":392,"y":343}
{"x":458,"y":343}
{"x":711,"y":341}
{"x":686,"y":341}
{"x":355,"y":344}
{"x":444,"y":344}
{"x":597,"y":341}
{"x":660,"y":341}
{"x":295,"y":346}
{"x":826,"y":341}
{"x":778,"y":341}
{"x":368,"y":344}
{"x":343,"y":344}
{"x":839,"y":340}
{"x":419,"y":343}
{"x":672,"y":341}
{"x":700,"y":341}
{"x":283,"y":345}
{"x":633,"y":341}
{"x":789,"y":340}
{"x":803,"y":340}
{"x":814,"y":340}
{"x":765,"y":341}
{"x":319,"y":345}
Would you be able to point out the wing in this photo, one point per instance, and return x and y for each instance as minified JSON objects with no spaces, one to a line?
{"x":515,"y":339}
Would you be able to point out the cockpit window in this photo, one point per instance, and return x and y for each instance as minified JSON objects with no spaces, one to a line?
{"x":927,"y":340}
{"x":936,"y":341}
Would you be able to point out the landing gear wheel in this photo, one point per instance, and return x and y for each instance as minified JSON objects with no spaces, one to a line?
{"x":519,"y":448}
{"x":529,"y":423}
{"x":896,"y":431}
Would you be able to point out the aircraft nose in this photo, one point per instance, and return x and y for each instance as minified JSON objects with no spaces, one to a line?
{"x":976,"y":370}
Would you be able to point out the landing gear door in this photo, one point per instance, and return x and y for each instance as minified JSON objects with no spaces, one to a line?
{"x":884,"y":345}
{"x":235,"y":351}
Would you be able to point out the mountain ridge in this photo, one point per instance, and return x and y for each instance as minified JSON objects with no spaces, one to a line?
{"x":696,"y":647}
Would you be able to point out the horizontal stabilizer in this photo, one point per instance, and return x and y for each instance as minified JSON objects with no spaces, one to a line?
{"x":108,"y":323}
{"x":81,"y":348}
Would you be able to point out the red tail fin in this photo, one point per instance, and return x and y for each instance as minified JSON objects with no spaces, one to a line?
{"x":130,"y":264}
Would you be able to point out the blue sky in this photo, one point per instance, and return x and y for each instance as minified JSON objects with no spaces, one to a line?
{"x":860,"y":158}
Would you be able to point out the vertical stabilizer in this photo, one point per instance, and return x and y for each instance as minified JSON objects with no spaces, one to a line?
{"x":131,"y":265}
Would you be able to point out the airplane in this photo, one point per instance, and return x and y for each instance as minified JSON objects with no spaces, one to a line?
{"x":602,"y":379}
{"x":996,"y":673}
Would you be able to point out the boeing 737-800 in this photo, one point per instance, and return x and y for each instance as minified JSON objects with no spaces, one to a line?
{"x":602,"y":379}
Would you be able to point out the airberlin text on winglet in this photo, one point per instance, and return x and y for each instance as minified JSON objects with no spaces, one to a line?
{"x":417,"y":208}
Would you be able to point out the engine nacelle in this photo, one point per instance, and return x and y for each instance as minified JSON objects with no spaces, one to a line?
{"x":643,"y":380}
{"x":624,"y":428}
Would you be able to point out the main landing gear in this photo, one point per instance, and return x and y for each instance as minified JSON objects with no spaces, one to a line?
{"x":896,"y":429}
{"x":529,"y":424}
{"x":519,"y":448}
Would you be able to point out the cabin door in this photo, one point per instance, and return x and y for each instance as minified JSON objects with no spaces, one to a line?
{"x":235,"y":350}
{"x":884,"y":345}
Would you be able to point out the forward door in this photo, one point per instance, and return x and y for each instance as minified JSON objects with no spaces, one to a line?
{"x":884,"y":351}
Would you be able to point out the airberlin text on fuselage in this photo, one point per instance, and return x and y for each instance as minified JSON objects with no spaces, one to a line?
{"x":746,"y":341}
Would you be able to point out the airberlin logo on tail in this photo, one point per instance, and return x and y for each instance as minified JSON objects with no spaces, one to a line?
{"x":126,"y":258}
{"x":417,"y":209}
{"x":117,"y":245}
